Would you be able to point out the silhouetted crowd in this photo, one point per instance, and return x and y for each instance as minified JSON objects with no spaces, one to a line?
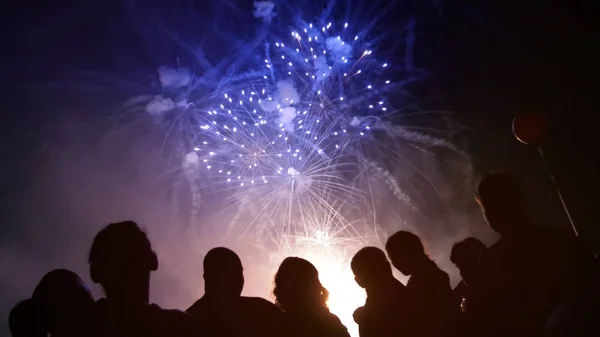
{"x":534,"y":281}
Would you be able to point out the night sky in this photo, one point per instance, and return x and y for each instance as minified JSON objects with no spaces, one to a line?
{"x":488,"y":61}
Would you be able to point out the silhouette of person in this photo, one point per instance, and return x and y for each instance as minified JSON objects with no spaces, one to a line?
{"x":121,"y":260}
{"x":465,"y":256}
{"x":385,"y":294}
{"x":526,"y":274}
{"x":60,"y":306}
{"x":303,"y":299}
{"x":63,"y":303}
{"x":429,"y":295}
{"x":23,"y":321}
{"x":222,"y":310}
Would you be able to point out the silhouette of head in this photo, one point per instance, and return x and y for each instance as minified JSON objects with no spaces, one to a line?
{"x":223,"y":273}
{"x":465,"y":255}
{"x":502,"y":203}
{"x":405,"y":251}
{"x":370,"y":267}
{"x":121,"y":260}
{"x":62,"y":302}
{"x":297,"y":286}
{"x":24,"y":321}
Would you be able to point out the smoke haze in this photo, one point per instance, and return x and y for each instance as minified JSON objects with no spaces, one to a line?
{"x":73,"y":190}
{"x":79,"y":163}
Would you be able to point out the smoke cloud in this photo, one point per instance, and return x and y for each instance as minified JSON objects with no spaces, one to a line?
{"x":159,"y":105}
{"x":287,"y":118}
{"x":174,"y":78}
{"x":338,"y":48}
{"x":287,"y":93}
{"x":264,"y":10}
{"x":321,"y":67}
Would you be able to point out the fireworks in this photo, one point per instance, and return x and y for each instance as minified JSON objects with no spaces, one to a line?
{"x":304,"y":150}
{"x":293,"y":141}
{"x":289,"y":147}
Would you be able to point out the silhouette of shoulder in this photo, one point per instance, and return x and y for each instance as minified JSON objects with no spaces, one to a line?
{"x":253,"y":316}
{"x":322,"y":324}
{"x":523,"y":278}
{"x":252,"y":305}
{"x":429,"y":292}
{"x":260,"y":304}
{"x":562,"y":239}
{"x":176,"y":321}
{"x":198,"y":307}
{"x":431,"y":278}
{"x":545,"y":247}
{"x":145,"y":320}
{"x":262,"y":313}
{"x":562,"y":256}
{"x":335,"y":326}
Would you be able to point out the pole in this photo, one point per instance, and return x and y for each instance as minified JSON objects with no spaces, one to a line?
{"x":562,"y":200}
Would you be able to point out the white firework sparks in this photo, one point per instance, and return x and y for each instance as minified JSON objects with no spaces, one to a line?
{"x":303,"y":151}
{"x":288,"y":148}
{"x":293,"y":141}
